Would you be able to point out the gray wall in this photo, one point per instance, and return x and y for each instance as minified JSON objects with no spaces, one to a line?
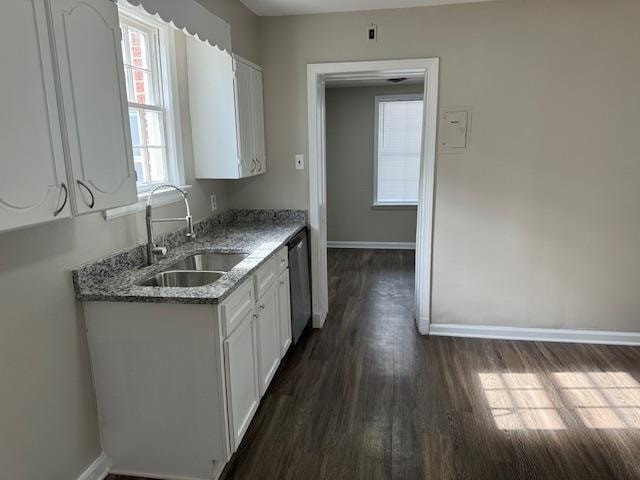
{"x":539,"y":225}
{"x":350,"y":114}
{"x":48,"y":420}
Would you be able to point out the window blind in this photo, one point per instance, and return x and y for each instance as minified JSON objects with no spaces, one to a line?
{"x":399,"y":141}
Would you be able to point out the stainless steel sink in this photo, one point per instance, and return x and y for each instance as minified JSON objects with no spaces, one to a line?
{"x":212,"y":262}
{"x":183,"y":279}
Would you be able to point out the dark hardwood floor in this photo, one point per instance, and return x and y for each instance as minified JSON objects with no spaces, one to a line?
{"x":368,"y":398}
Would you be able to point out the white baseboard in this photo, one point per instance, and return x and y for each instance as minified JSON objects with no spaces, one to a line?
{"x":98,"y":470}
{"x":140,"y":474}
{"x":374,"y":245}
{"x":423,"y":325}
{"x":318,"y":319}
{"x":535,"y":334}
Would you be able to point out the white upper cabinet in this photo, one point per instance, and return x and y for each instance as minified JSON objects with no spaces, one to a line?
{"x":88,"y":45}
{"x":64,"y":127}
{"x":32,"y":172}
{"x":244,"y":120}
{"x":257,"y":120}
{"x":227,"y":113}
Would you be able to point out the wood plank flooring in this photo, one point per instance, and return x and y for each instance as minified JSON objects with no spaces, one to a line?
{"x":368,"y":398}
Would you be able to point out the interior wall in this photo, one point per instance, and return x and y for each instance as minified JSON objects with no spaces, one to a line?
{"x":245,"y":26}
{"x":539,"y":224}
{"x":48,"y":415}
{"x":351,"y":217}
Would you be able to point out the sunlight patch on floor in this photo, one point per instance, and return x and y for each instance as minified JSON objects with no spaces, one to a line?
{"x":519,"y":401}
{"x":600,"y":400}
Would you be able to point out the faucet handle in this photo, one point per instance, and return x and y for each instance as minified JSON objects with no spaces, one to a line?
{"x":191,"y":235}
{"x":160,"y":251}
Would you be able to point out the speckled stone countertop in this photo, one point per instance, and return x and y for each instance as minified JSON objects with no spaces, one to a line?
{"x":260,"y":233}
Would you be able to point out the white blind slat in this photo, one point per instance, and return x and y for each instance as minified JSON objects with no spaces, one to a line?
{"x":399,"y":147}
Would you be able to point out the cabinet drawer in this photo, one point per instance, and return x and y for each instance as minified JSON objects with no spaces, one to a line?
{"x":266,"y":276}
{"x":236,"y":307}
{"x":283,"y":259}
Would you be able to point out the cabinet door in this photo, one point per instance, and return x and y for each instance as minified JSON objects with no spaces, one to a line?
{"x":244,"y":119}
{"x":284,"y":311}
{"x":212,"y":102}
{"x":88,"y":45}
{"x":241,"y":366}
{"x":32,"y":176}
{"x":269,"y":337}
{"x":257,"y":111}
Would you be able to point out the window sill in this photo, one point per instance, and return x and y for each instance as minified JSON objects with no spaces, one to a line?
{"x":395,"y":206}
{"x":160,"y":198}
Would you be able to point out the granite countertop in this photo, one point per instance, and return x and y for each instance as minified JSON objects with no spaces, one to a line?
{"x":259,"y":233}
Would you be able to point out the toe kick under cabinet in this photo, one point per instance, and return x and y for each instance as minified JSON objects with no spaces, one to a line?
{"x":177,"y":385}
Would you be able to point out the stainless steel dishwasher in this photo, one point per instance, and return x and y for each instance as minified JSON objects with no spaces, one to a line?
{"x":299,"y":267}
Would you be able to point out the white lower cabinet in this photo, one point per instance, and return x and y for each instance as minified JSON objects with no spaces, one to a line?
{"x":178,"y":385}
{"x":241,"y":369}
{"x":284,"y":311}
{"x":269,"y":336}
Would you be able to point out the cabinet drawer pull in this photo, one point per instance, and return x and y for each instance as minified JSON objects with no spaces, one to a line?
{"x":64,"y":202}
{"x":261,"y":307}
{"x":93,"y":198}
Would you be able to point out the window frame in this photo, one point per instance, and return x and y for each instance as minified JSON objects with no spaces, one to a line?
{"x":164,"y":50}
{"x":408,"y":97}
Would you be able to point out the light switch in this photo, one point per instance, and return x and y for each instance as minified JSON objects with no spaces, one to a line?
{"x":454,"y":129}
{"x":299,"y":162}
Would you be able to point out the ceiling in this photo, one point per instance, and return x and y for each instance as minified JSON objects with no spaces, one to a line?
{"x":299,"y":7}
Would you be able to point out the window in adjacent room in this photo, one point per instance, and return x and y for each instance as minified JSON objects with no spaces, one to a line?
{"x":398,"y":147}
{"x":148,"y":56}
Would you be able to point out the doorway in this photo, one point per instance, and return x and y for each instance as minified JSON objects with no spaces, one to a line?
{"x":318,"y":75}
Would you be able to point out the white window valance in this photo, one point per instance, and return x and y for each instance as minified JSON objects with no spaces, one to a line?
{"x":193,"y":18}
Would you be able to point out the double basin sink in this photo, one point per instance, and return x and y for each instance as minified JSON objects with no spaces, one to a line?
{"x":196,"y":270}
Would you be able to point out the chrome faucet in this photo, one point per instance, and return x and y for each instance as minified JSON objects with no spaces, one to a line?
{"x":154,"y":250}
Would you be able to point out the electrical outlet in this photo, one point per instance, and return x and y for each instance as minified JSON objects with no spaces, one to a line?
{"x":214,"y":203}
{"x":299,"y":162}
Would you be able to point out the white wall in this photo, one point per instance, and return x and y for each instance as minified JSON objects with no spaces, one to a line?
{"x":539,"y":225}
{"x":48,"y":420}
{"x":351,"y":217}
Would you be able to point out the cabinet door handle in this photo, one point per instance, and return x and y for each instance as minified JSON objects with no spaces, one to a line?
{"x":261,"y":307}
{"x":253,"y":165}
{"x":281,"y":282}
{"x":64,"y":202}
{"x":93,"y":198}
{"x":259,"y":165}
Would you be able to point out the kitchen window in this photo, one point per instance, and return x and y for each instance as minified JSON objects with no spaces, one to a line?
{"x":398,"y":150}
{"x":148,"y":55}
